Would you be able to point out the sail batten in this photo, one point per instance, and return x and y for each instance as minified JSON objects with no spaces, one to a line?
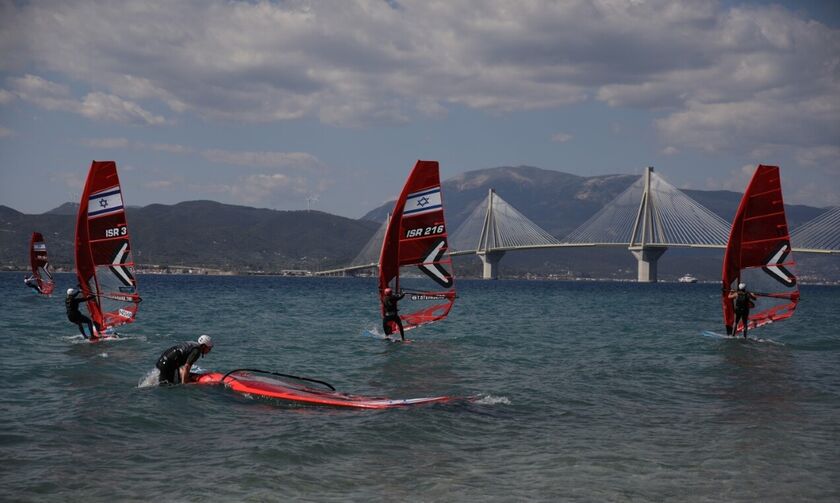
{"x":414,"y":250}
{"x":758,"y":253}
{"x":104,"y":263}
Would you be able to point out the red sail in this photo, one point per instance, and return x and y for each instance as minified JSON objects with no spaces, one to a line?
{"x":41,"y":269}
{"x":759,"y":253}
{"x":416,"y":239}
{"x":104,"y":263}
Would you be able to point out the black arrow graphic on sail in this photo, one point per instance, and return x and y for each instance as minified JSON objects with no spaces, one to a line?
{"x":117,"y":267}
{"x":433,"y":269}
{"x":775,"y":268}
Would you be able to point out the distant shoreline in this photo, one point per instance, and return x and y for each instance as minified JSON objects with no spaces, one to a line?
{"x":294,"y":273}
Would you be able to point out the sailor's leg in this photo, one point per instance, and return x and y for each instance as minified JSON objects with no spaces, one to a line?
{"x":399,"y":324}
{"x":386,"y":327}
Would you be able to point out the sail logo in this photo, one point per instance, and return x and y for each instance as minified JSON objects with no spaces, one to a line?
{"x":424,"y":201}
{"x":39,"y":247}
{"x":125,"y":313}
{"x":105,"y":202}
{"x":775,"y":268}
{"x":431,"y":265}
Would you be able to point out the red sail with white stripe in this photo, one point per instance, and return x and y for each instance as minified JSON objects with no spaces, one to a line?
{"x":413,"y":257}
{"x":41,"y":269}
{"x":104,"y":263}
{"x":759,"y":253}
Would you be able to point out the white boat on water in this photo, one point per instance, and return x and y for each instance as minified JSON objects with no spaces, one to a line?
{"x":688,"y":278}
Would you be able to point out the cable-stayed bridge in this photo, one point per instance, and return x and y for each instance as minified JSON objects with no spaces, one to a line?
{"x":647,"y":218}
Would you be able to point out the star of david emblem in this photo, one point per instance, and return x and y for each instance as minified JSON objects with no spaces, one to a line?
{"x":103,"y":202}
{"x":423,"y":201}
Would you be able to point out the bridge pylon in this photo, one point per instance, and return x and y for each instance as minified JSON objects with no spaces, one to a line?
{"x":647,"y":232}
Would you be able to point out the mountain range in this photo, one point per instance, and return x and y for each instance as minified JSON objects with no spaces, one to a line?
{"x":238,"y":238}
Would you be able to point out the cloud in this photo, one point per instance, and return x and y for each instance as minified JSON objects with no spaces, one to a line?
{"x":159,"y":184}
{"x":107,"y":143}
{"x":6,"y":133}
{"x":736,"y":181}
{"x":295,"y":160}
{"x":670,"y":150}
{"x":6,"y":97}
{"x":96,"y":105}
{"x":561,"y":137}
{"x":719,"y":77}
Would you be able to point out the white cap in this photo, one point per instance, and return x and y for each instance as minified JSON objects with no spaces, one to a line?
{"x":71,"y":291}
{"x":741,"y":286}
{"x":206,"y":340}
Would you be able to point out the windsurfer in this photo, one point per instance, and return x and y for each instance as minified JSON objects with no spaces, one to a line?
{"x":175,"y":363}
{"x":72,"y":302}
{"x":389,"y":303}
{"x":743,"y":303}
{"x":32,"y":282}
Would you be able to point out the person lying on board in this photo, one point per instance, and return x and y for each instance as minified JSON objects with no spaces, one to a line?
{"x":32,"y":282}
{"x":743,"y":302}
{"x":389,"y":302}
{"x":72,"y":302}
{"x":175,"y":363}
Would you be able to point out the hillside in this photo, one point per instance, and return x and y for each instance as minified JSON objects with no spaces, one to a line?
{"x":239,"y":238}
{"x":203,"y":233}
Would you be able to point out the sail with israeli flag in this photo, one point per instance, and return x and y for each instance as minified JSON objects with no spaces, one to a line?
{"x":414,"y":256}
{"x":40,"y":263}
{"x":104,"y":263}
{"x":759,"y":254}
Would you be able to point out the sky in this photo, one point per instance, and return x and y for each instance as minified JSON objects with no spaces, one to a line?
{"x":328,"y":104}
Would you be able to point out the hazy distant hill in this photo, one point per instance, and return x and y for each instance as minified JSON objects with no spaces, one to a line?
{"x":202,"y":233}
{"x":560,"y":202}
{"x":211,"y":234}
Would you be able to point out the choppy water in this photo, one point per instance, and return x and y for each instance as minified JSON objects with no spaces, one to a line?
{"x":589,"y":392}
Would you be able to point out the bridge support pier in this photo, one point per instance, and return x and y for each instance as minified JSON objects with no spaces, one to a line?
{"x":491,"y":263}
{"x":647,"y":257}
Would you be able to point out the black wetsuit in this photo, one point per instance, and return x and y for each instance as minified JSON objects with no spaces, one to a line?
{"x":71,"y":302}
{"x":32,"y":282}
{"x":176,"y":357}
{"x":742,"y":310}
{"x":390,"y":305}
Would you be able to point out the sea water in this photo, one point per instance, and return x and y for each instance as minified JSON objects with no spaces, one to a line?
{"x":580,"y":391}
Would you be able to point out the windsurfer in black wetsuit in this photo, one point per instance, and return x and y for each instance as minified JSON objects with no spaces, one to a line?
{"x":743,"y":303}
{"x":32,"y":282}
{"x":389,"y":303}
{"x":71,"y":302}
{"x":175,"y":363}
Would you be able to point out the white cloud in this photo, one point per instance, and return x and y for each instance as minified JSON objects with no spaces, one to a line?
{"x":6,"y":132}
{"x":736,"y":181}
{"x":101,"y":106}
{"x":107,"y":143}
{"x":159,"y":184}
{"x":561,"y":137}
{"x":670,"y":150}
{"x":171,"y":148}
{"x":295,"y":160}
{"x":6,"y":97}
{"x":721,"y":78}
{"x":96,"y":105}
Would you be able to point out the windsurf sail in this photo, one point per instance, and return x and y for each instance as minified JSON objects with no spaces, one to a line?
{"x":759,"y":253}
{"x":104,"y":263}
{"x":41,"y":269}
{"x":414,"y":255}
{"x":261,"y":383}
